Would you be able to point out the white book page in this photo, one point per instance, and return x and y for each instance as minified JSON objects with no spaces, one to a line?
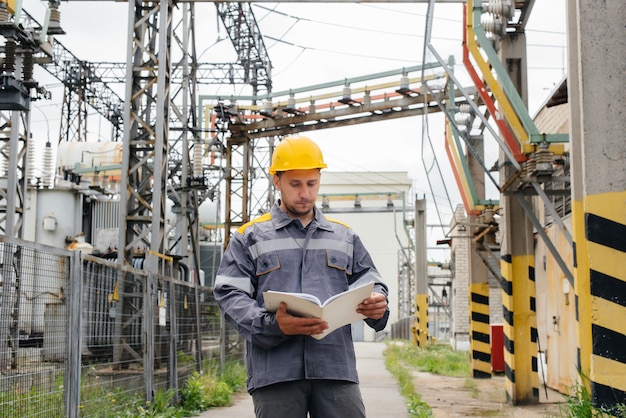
{"x":337,"y":311}
{"x":340,"y":310}
{"x":300,"y":304}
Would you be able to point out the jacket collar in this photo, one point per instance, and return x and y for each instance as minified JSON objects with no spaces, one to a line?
{"x":281,"y":219}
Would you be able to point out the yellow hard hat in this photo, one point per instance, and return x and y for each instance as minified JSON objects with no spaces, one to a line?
{"x":296,"y":153}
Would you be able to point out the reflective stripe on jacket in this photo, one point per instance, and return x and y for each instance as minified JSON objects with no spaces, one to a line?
{"x":274,"y":252}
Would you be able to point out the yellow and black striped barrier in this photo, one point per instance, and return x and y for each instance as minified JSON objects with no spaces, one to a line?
{"x":479,"y":330}
{"x":602,"y":260}
{"x":520,"y":329}
{"x":420,"y":329}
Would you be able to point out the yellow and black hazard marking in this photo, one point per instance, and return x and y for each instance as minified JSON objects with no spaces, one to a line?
{"x":421,"y":321}
{"x":479,"y":330}
{"x":520,"y":320}
{"x":605,"y":235}
{"x":506,"y":269}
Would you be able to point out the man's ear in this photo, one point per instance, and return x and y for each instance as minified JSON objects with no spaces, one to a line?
{"x":276,"y":181}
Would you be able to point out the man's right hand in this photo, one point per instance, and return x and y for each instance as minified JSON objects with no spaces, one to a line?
{"x":295,"y":325}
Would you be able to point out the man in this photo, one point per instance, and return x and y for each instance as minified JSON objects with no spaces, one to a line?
{"x":295,"y":248}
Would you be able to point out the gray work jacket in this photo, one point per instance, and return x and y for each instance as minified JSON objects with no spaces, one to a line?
{"x":274,"y":252}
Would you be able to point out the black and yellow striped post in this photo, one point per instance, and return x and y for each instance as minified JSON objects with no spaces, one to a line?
{"x":520,"y":329}
{"x":601,"y":294}
{"x":480,"y":346}
{"x":598,"y":195}
{"x":517,"y":262}
{"x":605,"y":229}
{"x":420,"y":333}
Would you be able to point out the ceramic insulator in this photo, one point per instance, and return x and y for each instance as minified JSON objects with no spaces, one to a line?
{"x":197,"y":159}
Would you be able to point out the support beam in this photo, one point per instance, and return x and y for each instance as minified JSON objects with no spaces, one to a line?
{"x":479,"y":274}
{"x":144,"y":161}
{"x":517,"y":267}
{"x":597,"y":62}
{"x":146,"y":117}
{"x":420,"y":327}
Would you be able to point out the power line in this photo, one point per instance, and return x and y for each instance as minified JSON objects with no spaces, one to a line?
{"x":403,"y":12}
{"x":357,"y":28}
{"x":339,"y":52}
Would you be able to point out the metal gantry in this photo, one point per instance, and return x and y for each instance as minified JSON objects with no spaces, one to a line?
{"x":247,"y":39}
{"x":23,"y":44}
{"x":146,"y":203}
{"x":146,"y":121}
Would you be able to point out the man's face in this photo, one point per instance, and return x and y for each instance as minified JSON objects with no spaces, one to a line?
{"x":298,"y":190}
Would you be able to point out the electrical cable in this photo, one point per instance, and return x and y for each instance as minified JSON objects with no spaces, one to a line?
{"x":337,"y":25}
{"x":368,"y":30}
{"x":449,"y":19}
{"x":343,"y":53}
{"x":426,"y":130}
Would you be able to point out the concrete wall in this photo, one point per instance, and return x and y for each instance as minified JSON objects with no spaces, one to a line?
{"x":556,"y":305}
{"x":556,"y":313}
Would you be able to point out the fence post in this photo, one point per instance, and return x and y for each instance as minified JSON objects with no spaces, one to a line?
{"x":196,"y":292}
{"x":173,"y":363}
{"x":223,"y":342}
{"x":8,"y":287}
{"x":74,"y":337}
{"x":148,"y":336}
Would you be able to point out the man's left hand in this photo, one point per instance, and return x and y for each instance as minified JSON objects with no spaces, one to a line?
{"x":373,"y":307}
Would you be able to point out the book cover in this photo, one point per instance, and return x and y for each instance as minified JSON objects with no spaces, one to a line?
{"x":337,"y":311}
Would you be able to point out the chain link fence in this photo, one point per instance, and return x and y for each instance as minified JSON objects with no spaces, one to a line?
{"x":85,"y":336}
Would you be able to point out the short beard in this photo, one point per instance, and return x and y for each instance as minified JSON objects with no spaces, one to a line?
{"x":295,"y":212}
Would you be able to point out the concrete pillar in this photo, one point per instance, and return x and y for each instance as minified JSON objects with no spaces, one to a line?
{"x":480,"y":344}
{"x":479,"y":330}
{"x":597,"y":65}
{"x":461,"y":280}
{"x":421,"y":276}
{"x":517,"y":263}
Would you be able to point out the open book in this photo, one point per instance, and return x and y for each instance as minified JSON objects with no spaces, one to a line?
{"x":337,"y":311}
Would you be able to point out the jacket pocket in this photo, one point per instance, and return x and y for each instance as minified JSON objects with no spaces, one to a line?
{"x":338,"y":260}
{"x":266,"y":263}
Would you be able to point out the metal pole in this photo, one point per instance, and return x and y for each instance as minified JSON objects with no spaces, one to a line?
{"x":74,"y":337}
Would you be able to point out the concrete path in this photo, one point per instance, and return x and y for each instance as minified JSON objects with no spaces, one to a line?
{"x":379,"y":388}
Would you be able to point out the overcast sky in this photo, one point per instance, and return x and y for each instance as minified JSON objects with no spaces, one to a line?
{"x":312,"y":43}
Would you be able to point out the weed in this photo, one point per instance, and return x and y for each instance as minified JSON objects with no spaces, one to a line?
{"x":394,"y":362}
{"x":184,"y":358}
{"x":436,"y":359}
{"x":579,"y":404}
{"x":200,"y":392}
{"x":234,"y":375}
{"x":208,"y":389}
{"x":160,"y":407}
{"x":400,"y":359}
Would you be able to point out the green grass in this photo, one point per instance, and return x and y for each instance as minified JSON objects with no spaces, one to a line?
{"x":200,"y":392}
{"x":436,"y":359}
{"x":578,"y":404}
{"x":33,"y":400}
{"x":401,"y":359}
{"x":212,"y":388}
